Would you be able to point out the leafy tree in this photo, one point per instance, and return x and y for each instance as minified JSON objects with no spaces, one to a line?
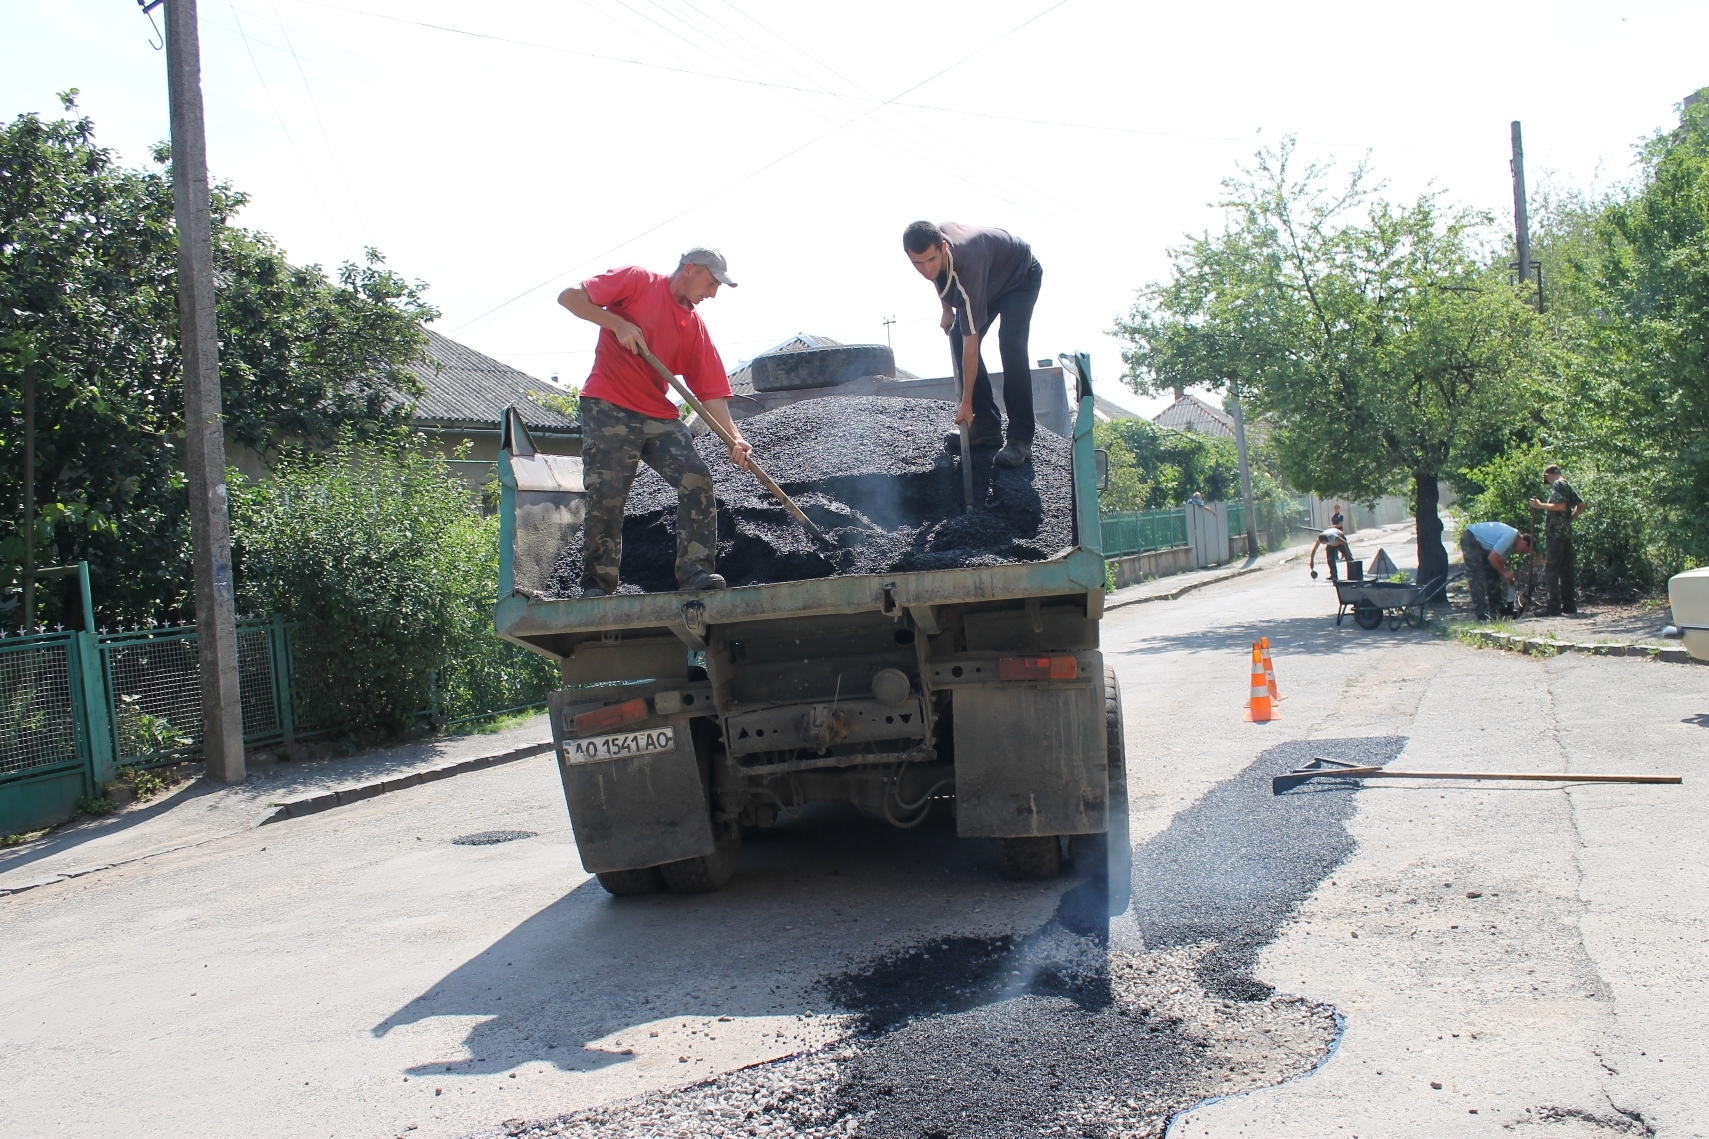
{"x":1378,"y":340}
{"x":380,"y":550}
{"x":1153,"y":467}
{"x":88,"y":294}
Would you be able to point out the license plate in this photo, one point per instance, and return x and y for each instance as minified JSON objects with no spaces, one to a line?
{"x":596,"y":749}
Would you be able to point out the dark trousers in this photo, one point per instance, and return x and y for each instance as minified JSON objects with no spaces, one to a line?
{"x":1015,"y":308}
{"x":1330,"y":553}
{"x":1560,"y":584}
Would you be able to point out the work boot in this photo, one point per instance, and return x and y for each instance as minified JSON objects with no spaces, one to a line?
{"x":1014,"y":455}
{"x":980,"y":438}
{"x":702,"y":581}
{"x":592,"y":591}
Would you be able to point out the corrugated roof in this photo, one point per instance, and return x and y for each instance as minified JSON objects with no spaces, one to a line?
{"x":468,"y":389}
{"x":1194,"y":413}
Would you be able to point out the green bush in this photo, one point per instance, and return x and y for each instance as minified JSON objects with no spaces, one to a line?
{"x":384,"y":554}
{"x":1613,"y":540}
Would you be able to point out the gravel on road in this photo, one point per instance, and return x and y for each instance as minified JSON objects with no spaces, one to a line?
{"x":1085,"y":1027}
{"x":874,"y":474}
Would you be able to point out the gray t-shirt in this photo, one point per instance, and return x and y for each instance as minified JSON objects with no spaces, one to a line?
{"x":1496,"y":537}
{"x":985,"y":263}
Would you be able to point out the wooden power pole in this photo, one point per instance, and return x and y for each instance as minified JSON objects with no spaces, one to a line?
{"x":204,"y":431}
{"x":1233,"y":404}
{"x":1521,"y":222}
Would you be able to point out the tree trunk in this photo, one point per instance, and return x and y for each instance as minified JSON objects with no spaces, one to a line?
{"x":1432,"y":555}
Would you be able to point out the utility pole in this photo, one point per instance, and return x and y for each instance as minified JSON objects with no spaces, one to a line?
{"x":888,"y":321}
{"x":29,"y":496}
{"x":1233,"y":404}
{"x":204,"y":431}
{"x":1521,"y":223}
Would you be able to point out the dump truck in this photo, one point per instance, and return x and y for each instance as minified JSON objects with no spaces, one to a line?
{"x":689,"y":718}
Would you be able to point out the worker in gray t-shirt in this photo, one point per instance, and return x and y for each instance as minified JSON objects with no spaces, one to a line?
{"x":980,"y":275}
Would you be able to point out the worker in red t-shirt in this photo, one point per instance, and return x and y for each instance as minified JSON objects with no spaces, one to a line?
{"x":627,"y":420}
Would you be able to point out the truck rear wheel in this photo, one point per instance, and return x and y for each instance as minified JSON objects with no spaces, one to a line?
{"x":629,"y":883}
{"x":706,"y":873}
{"x":1032,"y":859}
{"x":1108,"y":857}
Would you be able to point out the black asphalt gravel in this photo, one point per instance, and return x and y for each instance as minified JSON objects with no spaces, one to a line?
{"x":1085,"y":1027}
{"x":874,"y":474}
{"x":1084,"y":1037}
{"x":1234,"y":866}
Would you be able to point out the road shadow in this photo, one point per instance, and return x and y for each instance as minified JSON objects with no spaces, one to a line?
{"x":1287,"y":634}
{"x":73,"y":835}
{"x":1701,"y":720}
{"x":808,"y":898}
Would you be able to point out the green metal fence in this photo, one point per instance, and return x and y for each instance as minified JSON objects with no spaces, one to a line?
{"x":51,"y":734}
{"x":1137,"y":531}
{"x":153,"y":688}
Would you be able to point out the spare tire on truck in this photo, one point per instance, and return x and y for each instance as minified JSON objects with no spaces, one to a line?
{"x":824,"y":367}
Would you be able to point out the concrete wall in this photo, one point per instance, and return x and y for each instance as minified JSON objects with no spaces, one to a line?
{"x":1156,"y":563}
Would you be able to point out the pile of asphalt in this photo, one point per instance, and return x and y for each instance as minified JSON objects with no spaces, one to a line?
{"x":1086,"y":1027}
{"x":871,"y":472}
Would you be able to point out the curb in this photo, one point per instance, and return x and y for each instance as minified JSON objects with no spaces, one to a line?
{"x":1514,"y":643}
{"x":326,"y":800}
{"x":1185,"y":589}
{"x":309,"y":805}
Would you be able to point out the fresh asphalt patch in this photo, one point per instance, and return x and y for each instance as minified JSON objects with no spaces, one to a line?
{"x":1085,"y":1027}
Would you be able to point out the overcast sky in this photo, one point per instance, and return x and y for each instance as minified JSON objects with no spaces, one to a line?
{"x":514,"y":148}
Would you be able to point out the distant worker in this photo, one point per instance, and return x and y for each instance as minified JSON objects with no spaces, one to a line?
{"x":626,"y":419}
{"x":980,"y":275}
{"x":1334,"y":544}
{"x":1485,"y":546}
{"x":1560,"y":583}
{"x":1336,"y":520}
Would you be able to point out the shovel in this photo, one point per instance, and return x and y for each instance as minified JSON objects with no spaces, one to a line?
{"x":966,"y":430}
{"x":729,"y":441}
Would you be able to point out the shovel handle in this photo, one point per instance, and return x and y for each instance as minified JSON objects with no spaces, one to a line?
{"x":754,"y":467}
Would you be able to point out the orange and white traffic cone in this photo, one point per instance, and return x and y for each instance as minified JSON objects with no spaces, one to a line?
{"x":1258,"y":709}
{"x":1269,"y":669}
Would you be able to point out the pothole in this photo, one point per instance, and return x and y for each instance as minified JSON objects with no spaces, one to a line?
{"x":490,"y":838}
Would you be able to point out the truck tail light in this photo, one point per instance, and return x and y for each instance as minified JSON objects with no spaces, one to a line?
{"x":614,"y":716}
{"x":1037,"y":668}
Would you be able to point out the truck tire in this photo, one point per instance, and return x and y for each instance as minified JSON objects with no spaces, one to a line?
{"x":1108,"y":857}
{"x":704,"y":874}
{"x":820,"y":367}
{"x":1032,"y":859}
{"x":630,"y":883}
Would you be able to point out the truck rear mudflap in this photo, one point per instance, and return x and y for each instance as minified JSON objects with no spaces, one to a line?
{"x":637,"y":792}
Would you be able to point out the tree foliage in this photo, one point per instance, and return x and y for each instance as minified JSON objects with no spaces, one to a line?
{"x":1380,"y":341}
{"x":88,"y":295}
{"x":1152,"y":467}
{"x":382,"y":552}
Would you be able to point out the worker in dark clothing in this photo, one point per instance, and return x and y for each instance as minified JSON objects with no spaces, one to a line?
{"x":1334,"y":544}
{"x":1485,"y":546}
{"x":980,"y":275}
{"x":1560,"y":585}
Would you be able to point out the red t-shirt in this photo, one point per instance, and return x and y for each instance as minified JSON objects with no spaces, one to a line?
{"x":677,"y":336}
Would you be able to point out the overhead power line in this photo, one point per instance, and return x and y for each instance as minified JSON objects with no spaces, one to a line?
{"x":752,"y":174}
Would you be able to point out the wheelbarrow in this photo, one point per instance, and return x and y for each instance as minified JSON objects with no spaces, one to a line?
{"x":1371,"y":601}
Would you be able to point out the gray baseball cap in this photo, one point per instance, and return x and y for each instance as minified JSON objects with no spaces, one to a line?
{"x":712,"y":259}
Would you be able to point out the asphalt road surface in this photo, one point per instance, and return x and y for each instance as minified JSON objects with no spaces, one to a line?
{"x":1406,"y":959}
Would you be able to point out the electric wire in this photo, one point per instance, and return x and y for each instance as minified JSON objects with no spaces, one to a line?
{"x":271,"y":102}
{"x":761,"y":169}
{"x":349,"y":191}
{"x":930,"y":153}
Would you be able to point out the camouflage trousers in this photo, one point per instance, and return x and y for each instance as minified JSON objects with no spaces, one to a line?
{"x":1481,"y":578}
{"x":614,"y":441}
